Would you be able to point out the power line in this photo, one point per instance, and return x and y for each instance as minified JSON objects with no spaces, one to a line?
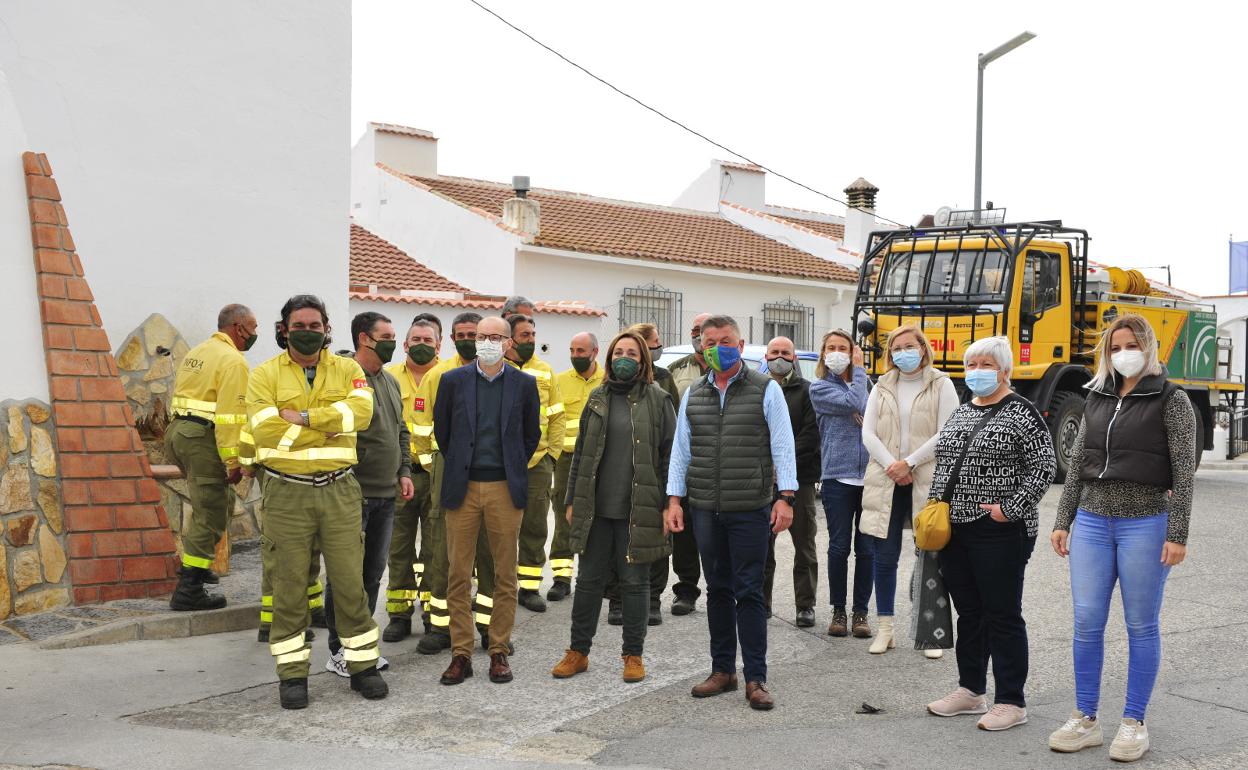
{"x":670,"y":119}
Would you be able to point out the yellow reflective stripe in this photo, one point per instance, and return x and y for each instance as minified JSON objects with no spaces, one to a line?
{"x":230,"y":419}
{"x":361,"y":393}
{"x":398,"y":606}
{"x":191,"y":403}
{"x":438,"y":603}
{"x":481,"y":618}
{"x":360,"y":656}
{"x":266,"y":617}
{"x":315,"y":588}
{"x":418,"y":568}
{"x":267,"y":413}
{"x":434,"y":443}
{"x":529,"y":571}
{"x":529,"y":585}
{"x":348,"y":416}
{"x":316,"y":603}
{"x":425,"y":459}
{"x":368,"y":637}
{"x":569,"y":444}
{"x":183,"y":412}
{"x":287,"y":645}
{"x":401,"y":594}
{"x":195,"y":561}
{"x":245,"y":437}
{"x":422,"y":430}
{"x":557,"y":563}
{"x":294,"y":657}
{"x":540,"y":374}
{"x":288,"y":438}
{"x":554,"y":409}
{"x":441,"y":621}
{"x":319,"y":453}
{"x":246,"y":461}
{"x":425,"y":596}
{"x":485,"y":601}
{"x":266,"y":601}
{"x":227,"y":452}
{"x":572,"y":423}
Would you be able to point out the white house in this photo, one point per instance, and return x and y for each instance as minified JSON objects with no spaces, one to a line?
{"x":776,"y":270}
{"x":1233,"y":323}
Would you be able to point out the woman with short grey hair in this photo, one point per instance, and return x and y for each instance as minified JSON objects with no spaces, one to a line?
{"x":994,"y":461}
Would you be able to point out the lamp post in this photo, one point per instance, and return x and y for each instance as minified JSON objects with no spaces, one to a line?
{"x":984,"y":60}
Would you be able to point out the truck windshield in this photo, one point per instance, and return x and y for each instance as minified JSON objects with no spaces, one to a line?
{"x":951,"y":275}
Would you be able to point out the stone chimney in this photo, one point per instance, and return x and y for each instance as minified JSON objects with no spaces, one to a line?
{"x":521,"y":213}
{"x":859,"y":214}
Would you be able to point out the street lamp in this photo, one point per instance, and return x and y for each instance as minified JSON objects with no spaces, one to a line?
{"x":984,"y":60}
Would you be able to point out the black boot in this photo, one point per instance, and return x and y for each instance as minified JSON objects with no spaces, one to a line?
{"x":655,"y":617}
{"x":211,"y":578}
{"x":531,"y":601}
{"x":318,"y":618}
{"x":397,"y":630}
{"x":370,"y":684}
{"x":434,"y":642}
{"x":427,"y":623}
{"x":683,"y":605}
{"x":294,"y":693}
{"x":190,"y":593}
{"x":559,"y":591}
{"x":615,"y":613}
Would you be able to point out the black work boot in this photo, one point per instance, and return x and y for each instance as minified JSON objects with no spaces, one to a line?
{"x":684,"y":605}
{"x":211,"y":578}
{"x":397,"y":630}
{"x":293,"y":693}
{"x":190,"y":593}
{"x":370,"y":684}
{"x":655,"y":617}
{"x":427,"y":623}
{"x":433,"y":643}
{"x":531,"y":601}
{"x":559,"y":591}
{"x":615,"y":613}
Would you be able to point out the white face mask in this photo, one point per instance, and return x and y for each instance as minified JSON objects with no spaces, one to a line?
{"x":1128,"y":362}
{"x":836,"y":361}
{"x":489,"y":353}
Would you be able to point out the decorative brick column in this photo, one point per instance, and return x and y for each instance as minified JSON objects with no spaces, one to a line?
{"x":119,"y":541}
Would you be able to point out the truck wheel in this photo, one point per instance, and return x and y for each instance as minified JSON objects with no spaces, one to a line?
{"x":1065,"y":414}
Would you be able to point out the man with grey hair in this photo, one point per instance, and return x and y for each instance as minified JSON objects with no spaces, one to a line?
{"x":517,"y":305}
{"x":575,"y":385}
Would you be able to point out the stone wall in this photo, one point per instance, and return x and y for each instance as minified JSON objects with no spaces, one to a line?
{"x":32,"y":550}
{"x":147,"y":361}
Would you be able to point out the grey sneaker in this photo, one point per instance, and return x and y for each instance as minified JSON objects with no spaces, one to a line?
{"x":337,"y":664}
{"x":1003,"y":716}
{"x":1077,"y":734}
{"x":960,"y":701}
{"x":1131,"y":743}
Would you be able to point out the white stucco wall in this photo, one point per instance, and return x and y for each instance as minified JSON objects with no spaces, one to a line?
{"x":779,"y":230}
{"x":1233,"y":323}
{"x":21,"y":337}
{"x":544,"y":273}
{"x":201,"y":150}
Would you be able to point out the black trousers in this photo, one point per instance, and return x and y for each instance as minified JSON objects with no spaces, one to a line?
{"x":983,"y":567}
{"x":684,"y":562}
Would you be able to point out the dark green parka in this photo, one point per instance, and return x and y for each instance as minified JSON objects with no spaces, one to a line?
{"x":654,"y":425}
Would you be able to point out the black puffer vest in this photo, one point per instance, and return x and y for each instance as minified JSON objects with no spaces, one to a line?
{"x":1126,"y":437}
{"x":730,"y":466}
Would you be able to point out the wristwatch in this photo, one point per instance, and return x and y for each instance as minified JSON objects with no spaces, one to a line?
{"x":304,"y":415}
{"x":790,"y":499}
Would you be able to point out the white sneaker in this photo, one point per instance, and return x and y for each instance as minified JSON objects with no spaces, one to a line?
{"x":933,"y":654}
{"x":960,"y":701}
{"x":1078,"y":733}
{"x":1131,"y":743}
{"x":337,"y":664}
{"x":382,"y":663}
{"x":1003,"y":716}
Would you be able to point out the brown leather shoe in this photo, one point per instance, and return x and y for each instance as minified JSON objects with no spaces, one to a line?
{"x":573,"y":663}
{"x":715,"y":684}
{"x":634,"y":668}
{"x":500,"y":672}
{"x":862,"y":629}
{"x":840,"y":624}
{"x":459,"y":670}
{"x":756,"y":693}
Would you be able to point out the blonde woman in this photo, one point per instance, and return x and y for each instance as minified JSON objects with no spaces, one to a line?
{"x":1123,"y":519}
{"x":902,"y":422}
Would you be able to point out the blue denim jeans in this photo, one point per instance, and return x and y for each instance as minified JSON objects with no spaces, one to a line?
{"x":377,"y":523}
{"x":887,"y":552}
{"x":733,"y":546}
{"x":1103,"y":551}
{"x":842,"y":506}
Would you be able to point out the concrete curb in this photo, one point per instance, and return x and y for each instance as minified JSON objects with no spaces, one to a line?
{"x":168,"y":625}
{"x":1224,"y":465}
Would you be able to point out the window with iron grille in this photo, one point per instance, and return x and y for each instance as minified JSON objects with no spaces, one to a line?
{"x":791,"y":319}
{"x":656,"y":305}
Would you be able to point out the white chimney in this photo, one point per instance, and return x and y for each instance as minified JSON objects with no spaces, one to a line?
{"x":859,"y":214}
{"x":741,"y":183}
{"x":522,"y":213}
{"x":408,"y":150}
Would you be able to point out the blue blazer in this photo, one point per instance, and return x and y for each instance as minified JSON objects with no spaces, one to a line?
{"x":455,"y":427}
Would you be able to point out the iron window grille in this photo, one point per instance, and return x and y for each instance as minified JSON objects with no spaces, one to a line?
{"x":653,"y":304}
{"x":791,"y":319}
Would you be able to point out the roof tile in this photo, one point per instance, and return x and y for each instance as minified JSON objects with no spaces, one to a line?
{"x":377,"y":262}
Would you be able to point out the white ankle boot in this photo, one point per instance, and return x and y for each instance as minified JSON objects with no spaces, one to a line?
{"x":883,"y":641}
{"x":933,"y":654}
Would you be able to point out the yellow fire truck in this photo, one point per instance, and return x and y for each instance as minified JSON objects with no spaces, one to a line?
{"x":1033,"y":283}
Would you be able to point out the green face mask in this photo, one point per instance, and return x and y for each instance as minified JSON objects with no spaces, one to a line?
{"x":624,"y":369}
{"x":467,"y":349}
{"x":422,"y":354}
{"x":581,"y":365}
{"x":306,"y":342}
{"x":247,"y":343}
{"x":385,"y":350}
{"x":524,"y":350}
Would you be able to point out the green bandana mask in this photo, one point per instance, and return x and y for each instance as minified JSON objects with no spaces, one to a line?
{"x":624,"y":369}
{"x":467,"y":349}
{"x":247,"y":343}
{"x":422,"y":354}
{"x":306,"y":342}
{"x":385,"y":350}
{"x":524,"y":350}
{"x":581,"y":365}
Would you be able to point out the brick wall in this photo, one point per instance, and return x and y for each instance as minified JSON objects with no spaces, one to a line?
{"x":119,"y":541}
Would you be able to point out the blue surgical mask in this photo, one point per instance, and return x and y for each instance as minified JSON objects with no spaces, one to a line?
{"x":982,"y":382}
{"x":907,"y":360}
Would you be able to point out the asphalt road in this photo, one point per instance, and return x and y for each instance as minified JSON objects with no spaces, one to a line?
{"x":210,"y":702}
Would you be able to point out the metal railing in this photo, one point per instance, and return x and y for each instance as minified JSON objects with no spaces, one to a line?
{"x":1237,"y":433}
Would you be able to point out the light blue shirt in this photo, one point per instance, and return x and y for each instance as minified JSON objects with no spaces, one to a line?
{"x":776,"y":412}
{"x":485,"y":376}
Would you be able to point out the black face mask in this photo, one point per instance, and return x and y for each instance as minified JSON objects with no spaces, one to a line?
{"x":467,"y":349}
{"x":524,"y":350}
{"x":305,"y":341}
{"x":581,"y":365}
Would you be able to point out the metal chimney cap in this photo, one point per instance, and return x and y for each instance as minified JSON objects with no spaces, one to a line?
{"x":521,"y":185}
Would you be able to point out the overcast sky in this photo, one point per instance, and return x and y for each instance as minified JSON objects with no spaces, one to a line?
{"x":1126,"y":120}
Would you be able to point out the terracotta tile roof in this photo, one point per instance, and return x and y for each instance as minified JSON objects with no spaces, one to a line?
{"x":394,"y":128}
{"x":557,"y":307}
{"x":577,"y":222}
{"x":830,"y":229}
{"x":741,"y":166}
{"x":377,"y":262}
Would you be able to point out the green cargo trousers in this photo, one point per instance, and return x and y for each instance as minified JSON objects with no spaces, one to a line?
{"x":316,"y":590}
{"x":193,"y":448}
{"x":407,"y":564}
{"x":533,"y":530}
{"x":296,"y":517}
{"x":560,"y":551}
{"x":433,"y":553}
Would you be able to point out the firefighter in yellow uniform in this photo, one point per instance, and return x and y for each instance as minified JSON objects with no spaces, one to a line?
{"x":406,"y":588}
{"x":425,"y":448}
{"x":304,"y":407}
{"x":209,"y":409}
{"x":534,"y":526}
{"x":575,"y":385}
